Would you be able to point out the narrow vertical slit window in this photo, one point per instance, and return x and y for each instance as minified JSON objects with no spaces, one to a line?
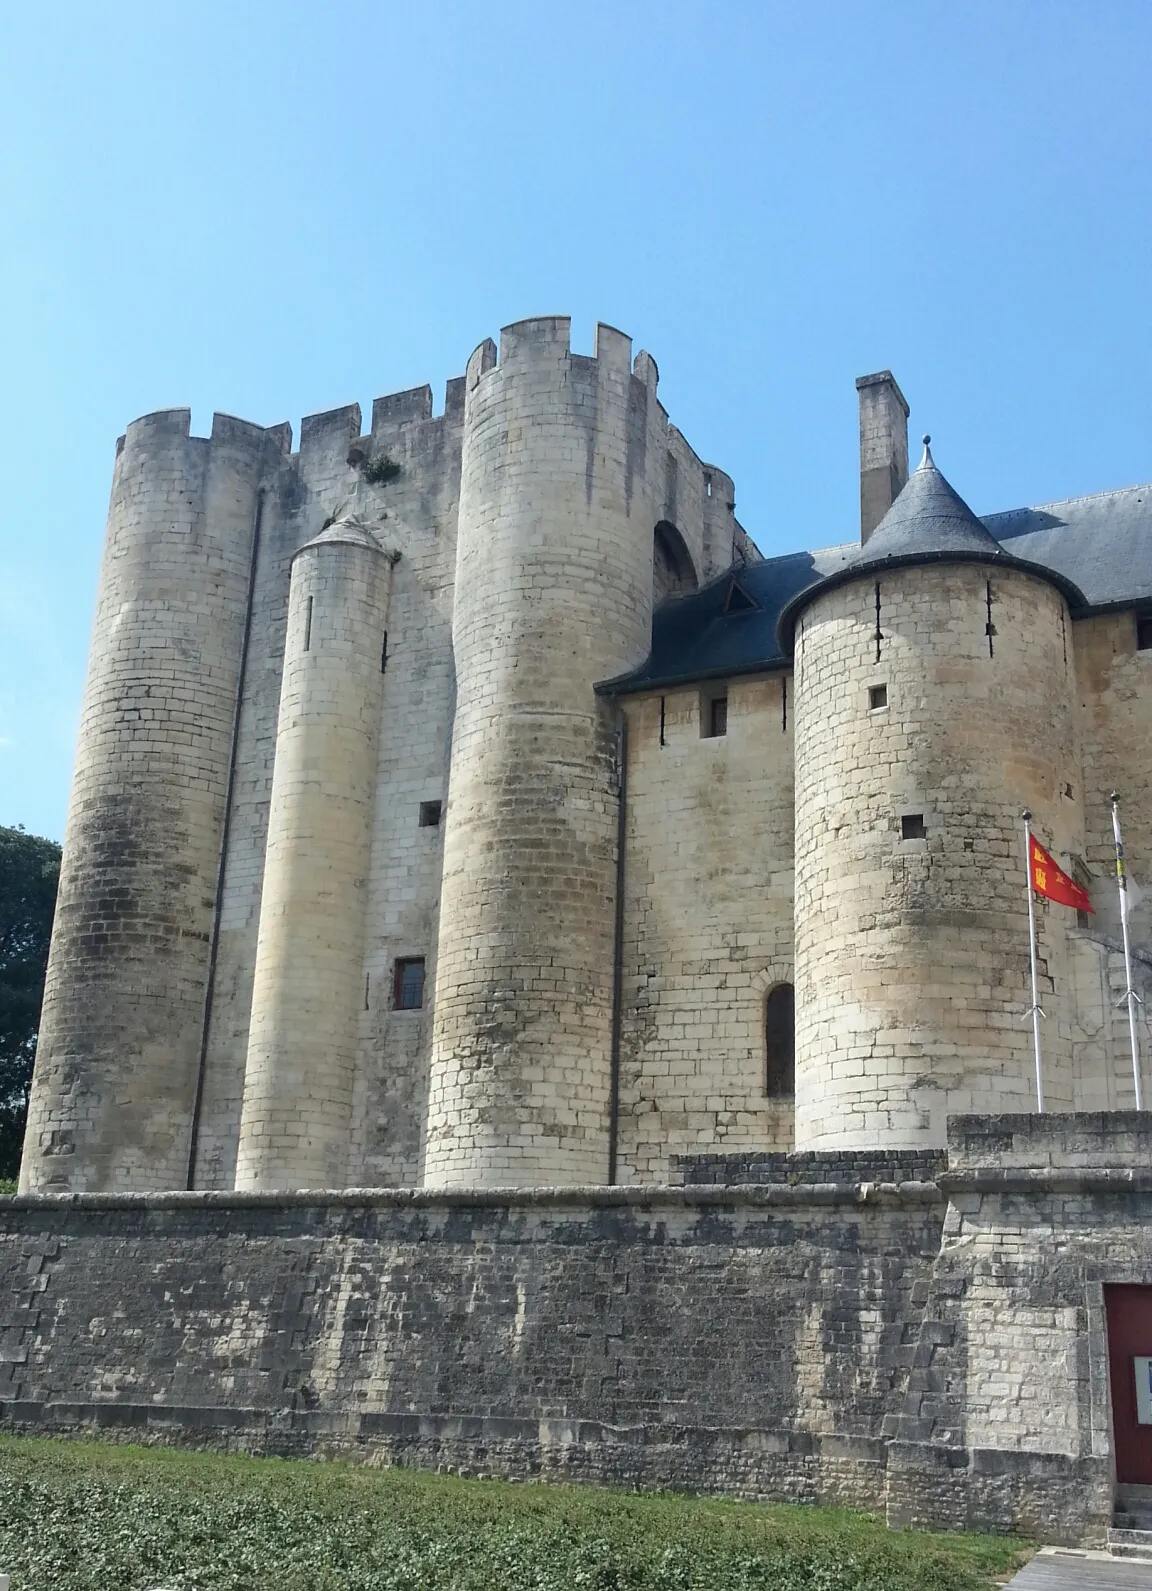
{"x":384,"y":653}
{"x":308,"y":625}
{"x":663,"y":742}
{"x":780,"y":1042}
{"x":989,"y":627}
{"x":783,"y":702}
{"x":879,"y":635}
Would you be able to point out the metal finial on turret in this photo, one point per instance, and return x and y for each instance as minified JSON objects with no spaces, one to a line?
{"x":927,"y":462}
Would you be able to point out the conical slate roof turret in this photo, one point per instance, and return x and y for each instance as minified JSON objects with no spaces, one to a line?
{"x":929,"y":516}
{"x":928,"y":523}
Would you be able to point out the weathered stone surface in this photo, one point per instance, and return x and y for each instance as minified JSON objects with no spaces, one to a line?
{"x":912,"y":953}
{"x":840,"y":1330}
{"x":805,"y":1166}
{"x":744,"y":1341}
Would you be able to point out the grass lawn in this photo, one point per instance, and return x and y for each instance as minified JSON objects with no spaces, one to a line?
{"x":89,"y":1515}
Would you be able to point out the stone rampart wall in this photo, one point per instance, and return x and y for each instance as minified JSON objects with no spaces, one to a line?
{"x":1006,"y":1422}
{"x":749,"y":1343}
{"x":846,"y":1331}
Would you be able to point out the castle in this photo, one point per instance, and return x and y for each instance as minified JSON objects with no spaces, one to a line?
{"x":539,"y":987}
{"x":461,"y":802}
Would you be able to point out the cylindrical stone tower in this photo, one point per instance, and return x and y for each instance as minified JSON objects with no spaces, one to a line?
{"x":553,"y":592}
{"x":118,"y":1055}
{"x":308,"y":984}
{"x":934,"y":700}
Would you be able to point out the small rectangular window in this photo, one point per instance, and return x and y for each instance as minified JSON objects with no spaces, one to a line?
{"x":912,"y":826}
{"x":714,"y":715}
{"x":1144,"y":632}
{"x":430,"y":814}
{"x":877,"y":697}
{"x":408,"y":984}
{"x":1081,"y":876}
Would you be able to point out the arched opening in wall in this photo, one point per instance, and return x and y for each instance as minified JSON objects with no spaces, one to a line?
{"x":780,"y":1042}
{"x":673,"y":572}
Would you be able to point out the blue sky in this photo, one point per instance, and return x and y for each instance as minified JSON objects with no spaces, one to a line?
{"x":271,"y":209}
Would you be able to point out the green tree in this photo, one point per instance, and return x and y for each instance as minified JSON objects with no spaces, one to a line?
{"x":29,"y":873}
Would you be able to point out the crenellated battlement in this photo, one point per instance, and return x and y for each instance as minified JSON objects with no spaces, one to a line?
{"x":539,"y":337}
{"x":523,"y":344}
{"x":331,"y":430}
{"x":546,"y":340}
{"x":162,"y":427}
{"x":401,"y":408}
{"x":324,"y":432}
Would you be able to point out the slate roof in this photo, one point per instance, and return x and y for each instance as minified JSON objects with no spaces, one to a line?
{"x":1097,"y":549}
{"x":927,"y":516}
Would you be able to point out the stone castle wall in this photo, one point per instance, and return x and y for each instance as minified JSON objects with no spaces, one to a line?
{"x":874,"y":1331}
{"x":564,"y":479}
{"x":297,"y":1118}
{"x":912,"y":953}
{"x":119,"y":1051}
{"x":707,"y":922}
{"x":194,"y":612}
{"x":1006,"y":1421}
{"x":749,"y":1341}
{"x":416,"y":515}
{"x":582,"y":506}
{"x":1113,"y":680}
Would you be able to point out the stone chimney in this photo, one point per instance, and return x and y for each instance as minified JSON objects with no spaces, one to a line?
{"x":883,"y":447}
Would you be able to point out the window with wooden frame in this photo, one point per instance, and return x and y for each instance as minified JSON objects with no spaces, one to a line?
{"x":714,"y":714}
{"x":408,"y":984}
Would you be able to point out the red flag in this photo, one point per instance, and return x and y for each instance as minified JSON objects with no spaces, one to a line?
{"x":1053,"y":882}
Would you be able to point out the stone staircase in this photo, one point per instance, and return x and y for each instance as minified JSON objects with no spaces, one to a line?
{"x":1131,"y":1533}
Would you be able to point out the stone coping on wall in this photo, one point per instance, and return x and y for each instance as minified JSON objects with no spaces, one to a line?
{"x":653,"y":1196}
{"x":1048,"y":1179}
{"x":1093,"y":1139}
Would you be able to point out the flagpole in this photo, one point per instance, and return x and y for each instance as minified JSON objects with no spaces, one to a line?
{"x":1036,"y":1011}
{"x":1130,"y":994}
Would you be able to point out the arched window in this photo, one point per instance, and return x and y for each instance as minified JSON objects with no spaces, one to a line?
{"x":780,"y":1042}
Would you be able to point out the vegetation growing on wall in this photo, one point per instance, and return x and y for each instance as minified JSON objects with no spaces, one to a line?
{"x":29,"y":873}
{"x":380,"y":470}
{"x":77,"y":1515}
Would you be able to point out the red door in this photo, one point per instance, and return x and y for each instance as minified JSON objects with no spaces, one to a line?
{"x":1129,"y":1311}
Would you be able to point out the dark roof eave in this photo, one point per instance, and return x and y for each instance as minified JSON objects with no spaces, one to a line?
{"x":786,"y":624}
{"x":636,"y":685}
